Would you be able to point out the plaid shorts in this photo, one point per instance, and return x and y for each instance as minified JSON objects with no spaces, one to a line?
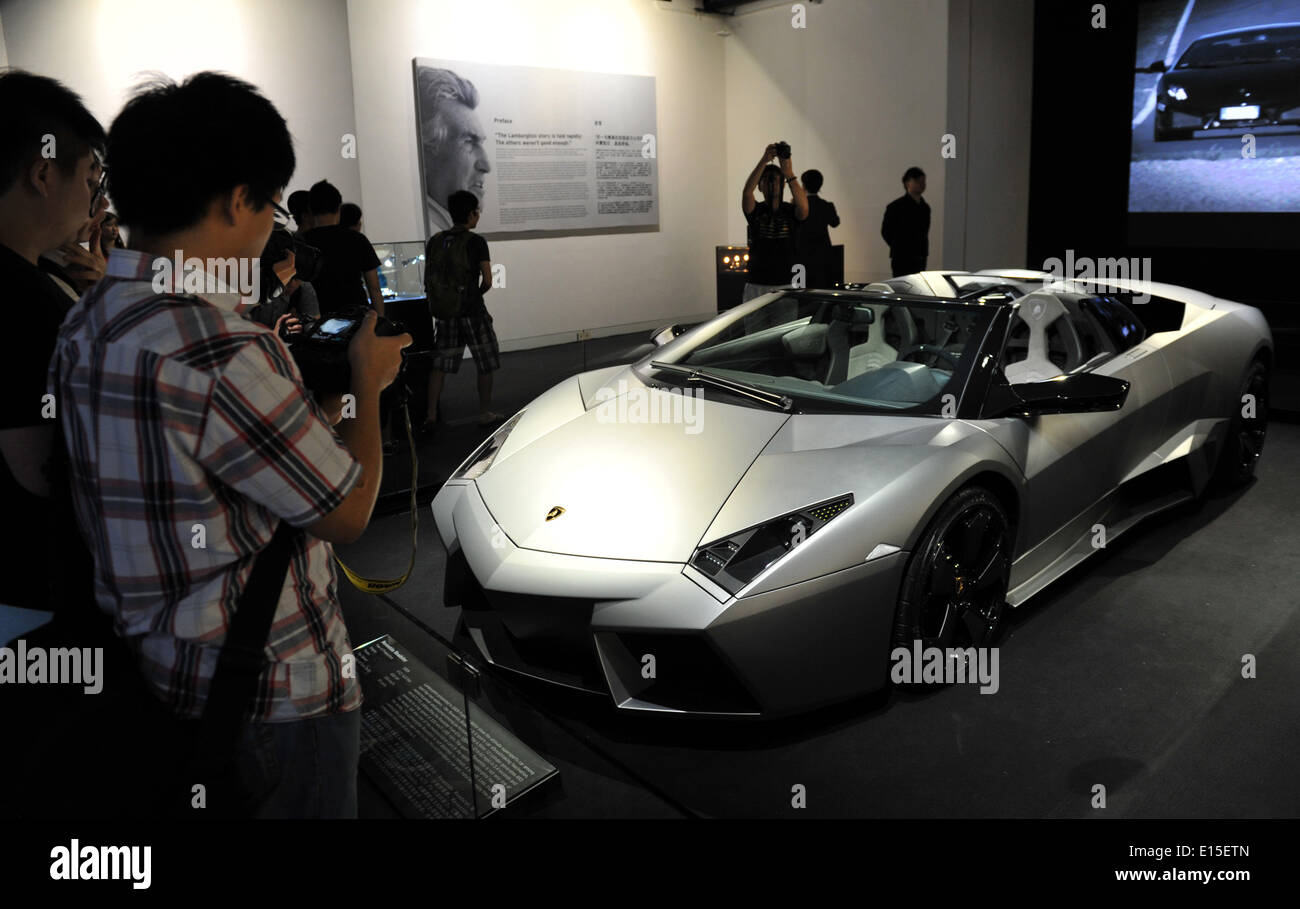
{"x":450,"y":337}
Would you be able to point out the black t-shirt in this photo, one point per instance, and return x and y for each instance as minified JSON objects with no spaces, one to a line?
{"x":34,"y":308}
{"x":906,"y":228}
{"x":771,"y":243}
{"x":346,"y":255}
{"x":477,"y":253}
{"x":811,"y":234}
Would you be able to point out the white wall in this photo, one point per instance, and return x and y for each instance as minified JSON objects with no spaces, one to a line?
{"x":97,"y":48}
{"x":860,"y":94}
{"x":558,"y":286}
{"x":990,"y":78}
{"x":867,"y":89}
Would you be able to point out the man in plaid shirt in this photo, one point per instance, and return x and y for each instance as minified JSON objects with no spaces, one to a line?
{"x":191,"y":437}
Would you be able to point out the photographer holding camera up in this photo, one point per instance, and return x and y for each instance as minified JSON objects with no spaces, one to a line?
{"x":772,"y":222}
{"x":193,"y":440}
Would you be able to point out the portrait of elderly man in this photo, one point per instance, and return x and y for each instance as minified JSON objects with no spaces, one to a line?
{"x":452,"y":149}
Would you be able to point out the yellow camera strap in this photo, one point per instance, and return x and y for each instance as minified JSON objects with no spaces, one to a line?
{"x":385,"y":585}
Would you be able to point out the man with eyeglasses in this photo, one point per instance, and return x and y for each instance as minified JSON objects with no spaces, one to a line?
{"x":184,"y":413}
{"x":73,"y":267}
{"x":50,"y":174}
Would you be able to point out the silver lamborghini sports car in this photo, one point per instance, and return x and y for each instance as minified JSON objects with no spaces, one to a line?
{"x":751,"y":518}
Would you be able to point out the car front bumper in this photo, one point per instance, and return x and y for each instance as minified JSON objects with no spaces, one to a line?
{"x":1188,"y":115}
{"x":660,"y":636}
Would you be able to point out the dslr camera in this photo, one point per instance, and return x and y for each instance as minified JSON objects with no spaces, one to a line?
{"x":321,"y":351}
{"x":782,"y":149}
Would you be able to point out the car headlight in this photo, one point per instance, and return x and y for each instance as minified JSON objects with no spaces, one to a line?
{"x":1177,"y":92}
{"x":734,"y":561}
{"x":478,"y":463}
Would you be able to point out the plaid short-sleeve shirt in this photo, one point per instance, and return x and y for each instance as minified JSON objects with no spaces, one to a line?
{"x":190,"y":436}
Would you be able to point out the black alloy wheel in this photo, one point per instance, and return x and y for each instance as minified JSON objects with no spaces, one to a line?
{"x":954,"y":589}
{"x":1245,"y":440}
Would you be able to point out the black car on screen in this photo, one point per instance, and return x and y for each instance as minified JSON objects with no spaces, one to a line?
{"x":1241,"y":79}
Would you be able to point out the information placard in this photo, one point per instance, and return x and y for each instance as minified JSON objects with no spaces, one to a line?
{"x":415,"y":745}
{"x":541,"y":149}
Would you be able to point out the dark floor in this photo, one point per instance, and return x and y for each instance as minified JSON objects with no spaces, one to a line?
{"x":1285,"y":391}
{"x":1126,"y":673}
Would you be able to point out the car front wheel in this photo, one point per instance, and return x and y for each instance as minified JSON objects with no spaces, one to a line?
{"x":1246,"y":429}
{"x":954,"y":588}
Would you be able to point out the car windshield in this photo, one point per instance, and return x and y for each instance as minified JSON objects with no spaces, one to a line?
{"x":832,"y":353}
{"x":1247,"y":47}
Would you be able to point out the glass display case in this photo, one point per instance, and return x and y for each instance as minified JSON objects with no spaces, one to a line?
{"x":401,"y":269}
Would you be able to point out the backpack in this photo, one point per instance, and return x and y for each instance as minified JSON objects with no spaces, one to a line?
{"x":448,"y":278}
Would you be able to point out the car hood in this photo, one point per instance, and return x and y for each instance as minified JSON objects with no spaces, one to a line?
{"x":643,"y":490}
{"x":635,"y":478}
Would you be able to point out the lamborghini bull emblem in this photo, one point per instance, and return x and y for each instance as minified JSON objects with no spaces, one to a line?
{"x":554,"y":512}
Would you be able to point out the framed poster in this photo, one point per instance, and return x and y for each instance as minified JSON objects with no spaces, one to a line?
{"x":541,"y":149}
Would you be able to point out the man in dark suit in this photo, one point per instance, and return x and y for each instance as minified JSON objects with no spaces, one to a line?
{"x":906,"y":227}
{"x":812,"y":239}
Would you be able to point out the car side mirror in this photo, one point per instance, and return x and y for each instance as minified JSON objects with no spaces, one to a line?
{"x":1157,"y":66}
{"x":1084,"y":392}
{"x":661,"y":336}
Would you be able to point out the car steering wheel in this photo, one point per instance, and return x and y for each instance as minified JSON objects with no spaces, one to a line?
{"x":930,"y":350}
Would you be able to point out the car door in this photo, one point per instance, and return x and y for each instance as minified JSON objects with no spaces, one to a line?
{"x":1073,"y":463}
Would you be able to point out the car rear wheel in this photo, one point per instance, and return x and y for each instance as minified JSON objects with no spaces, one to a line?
{"x":954,"y":588}
{"x":1246,"y":429}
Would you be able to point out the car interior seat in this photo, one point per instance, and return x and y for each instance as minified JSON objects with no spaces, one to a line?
{"x":875,"y":351}
{"x":806,"y":347}
{"x":1041,"y":312}
{"x":901,"y":381}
